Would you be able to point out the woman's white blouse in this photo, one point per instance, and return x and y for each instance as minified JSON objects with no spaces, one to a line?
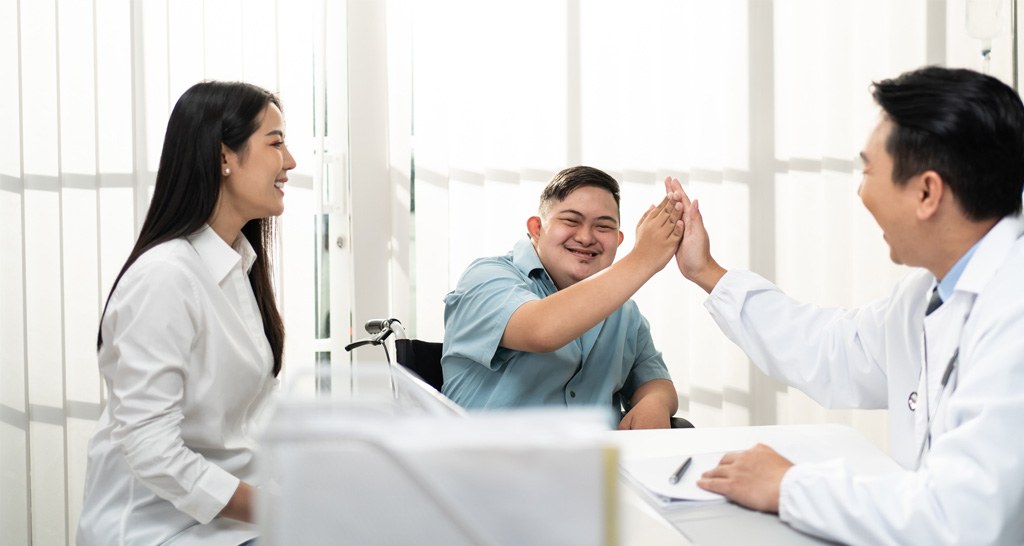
{"x":188,"y":370}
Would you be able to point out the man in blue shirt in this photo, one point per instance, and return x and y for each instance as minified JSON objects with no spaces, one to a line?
{"x":540,"y":326}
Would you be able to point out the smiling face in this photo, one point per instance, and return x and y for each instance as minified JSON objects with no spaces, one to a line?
{"x":578,"y":236}
{"x":892,"y":205}
{"x":253,"y":178}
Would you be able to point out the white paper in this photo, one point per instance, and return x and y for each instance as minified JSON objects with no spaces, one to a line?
{"x":652,"y":474}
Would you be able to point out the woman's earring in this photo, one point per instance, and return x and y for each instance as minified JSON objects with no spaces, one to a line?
{"x":227,"y":171}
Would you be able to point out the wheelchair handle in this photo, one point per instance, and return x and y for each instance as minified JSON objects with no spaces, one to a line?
{"x":375,"y":326}
{"x":380,"y":329}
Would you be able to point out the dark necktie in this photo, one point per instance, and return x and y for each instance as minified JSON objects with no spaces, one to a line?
{"x":933,"y":303}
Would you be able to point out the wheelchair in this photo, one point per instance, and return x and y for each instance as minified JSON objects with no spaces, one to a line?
{"x":423,"y":358}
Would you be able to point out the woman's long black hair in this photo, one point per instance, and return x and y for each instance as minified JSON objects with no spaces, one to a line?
{"x":188,"y":183}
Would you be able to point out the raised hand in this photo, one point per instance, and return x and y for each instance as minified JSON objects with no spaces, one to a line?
{"x":658,"y":233}
{"x":694,"y":253}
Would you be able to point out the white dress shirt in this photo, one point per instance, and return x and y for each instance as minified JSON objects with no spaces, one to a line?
{"x":188,"y":371}
{"x":968,"y":487}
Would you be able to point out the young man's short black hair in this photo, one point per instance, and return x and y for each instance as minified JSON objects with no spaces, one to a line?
{"x":568,"y":180}
{"x":966,"y":126}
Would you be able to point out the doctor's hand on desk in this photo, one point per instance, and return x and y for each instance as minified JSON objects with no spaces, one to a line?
{"x":694,"y":253}
{"x":750,"y":478}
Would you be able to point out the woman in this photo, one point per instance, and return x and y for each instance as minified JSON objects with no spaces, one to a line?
{"x":190,"y":340}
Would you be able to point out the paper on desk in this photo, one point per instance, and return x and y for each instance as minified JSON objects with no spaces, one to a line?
{"x":652,"y":474}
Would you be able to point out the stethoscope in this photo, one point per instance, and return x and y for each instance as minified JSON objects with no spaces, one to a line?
{"x":926,"y":440}
{"x":912,"y":399}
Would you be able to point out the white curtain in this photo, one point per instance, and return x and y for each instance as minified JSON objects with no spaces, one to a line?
{"x":89,"y":87}
{"x":760,"y":107}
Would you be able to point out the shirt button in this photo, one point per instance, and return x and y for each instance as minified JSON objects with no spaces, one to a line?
{"x":572,"y":394}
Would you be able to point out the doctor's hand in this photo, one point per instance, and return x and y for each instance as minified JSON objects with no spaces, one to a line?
{"x":751,"y":478}
{"x":694,"y":253}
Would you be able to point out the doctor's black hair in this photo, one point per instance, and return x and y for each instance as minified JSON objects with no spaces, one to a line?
{"x":966,"y":126}
{"x":188,"y":183}
{"x":568,"y":180}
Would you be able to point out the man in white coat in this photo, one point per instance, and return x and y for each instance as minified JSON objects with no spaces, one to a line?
{"x":944,"y":352}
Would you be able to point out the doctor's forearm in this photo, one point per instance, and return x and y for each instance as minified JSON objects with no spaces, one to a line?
{"x":708,"y":277}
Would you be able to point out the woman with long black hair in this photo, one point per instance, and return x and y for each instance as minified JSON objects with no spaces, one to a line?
{"x":190,"y":339}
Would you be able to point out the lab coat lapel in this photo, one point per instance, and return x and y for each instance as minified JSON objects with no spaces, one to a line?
{"x":943,"y":330}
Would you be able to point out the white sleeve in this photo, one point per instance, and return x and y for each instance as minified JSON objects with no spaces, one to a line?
{"x":150,"y":325}
{"x":970,"y":487}
{"x":835,"y":356}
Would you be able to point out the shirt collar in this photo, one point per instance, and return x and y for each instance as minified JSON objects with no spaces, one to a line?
{"x":525,"y":258}
{"x":217,"y":256}
{"x":984,"y":258}
{"x":948,"y":283}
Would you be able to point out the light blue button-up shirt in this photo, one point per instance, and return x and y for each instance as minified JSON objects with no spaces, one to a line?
{"x":603,"y":367}
{"x":948,"y":283}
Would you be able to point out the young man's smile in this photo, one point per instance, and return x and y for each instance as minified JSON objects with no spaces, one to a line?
{"x":578,"y":236}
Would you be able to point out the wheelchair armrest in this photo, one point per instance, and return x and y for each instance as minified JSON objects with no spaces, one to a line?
{"x":679,"y":422}
{"x":422,"y":358}
{"x":675,"y":422}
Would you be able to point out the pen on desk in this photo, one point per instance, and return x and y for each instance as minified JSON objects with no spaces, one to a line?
{"x":678,"y":474}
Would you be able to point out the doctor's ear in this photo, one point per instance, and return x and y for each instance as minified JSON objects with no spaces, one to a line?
{"x":533,"y":225}
{"x":930,"y":189}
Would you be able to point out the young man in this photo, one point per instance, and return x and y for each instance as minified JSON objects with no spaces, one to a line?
{"x":943,"y":175}
{"x":551,"y":323}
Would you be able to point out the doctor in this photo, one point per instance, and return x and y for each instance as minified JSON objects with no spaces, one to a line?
{"x":944,"y":352}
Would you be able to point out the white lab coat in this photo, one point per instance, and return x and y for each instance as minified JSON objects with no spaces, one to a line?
{"x":969,"y":487}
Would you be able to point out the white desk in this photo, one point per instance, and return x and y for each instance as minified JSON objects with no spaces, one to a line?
{"x":642,"y":524}
{"x":714,"y":524}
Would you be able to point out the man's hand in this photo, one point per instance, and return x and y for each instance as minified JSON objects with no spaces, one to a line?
{"x":643,"y":416}
{"x":658,"y":233}
{"x":751,"y":478}
{"x":653,"y":403}
{"x":694,"y":253}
